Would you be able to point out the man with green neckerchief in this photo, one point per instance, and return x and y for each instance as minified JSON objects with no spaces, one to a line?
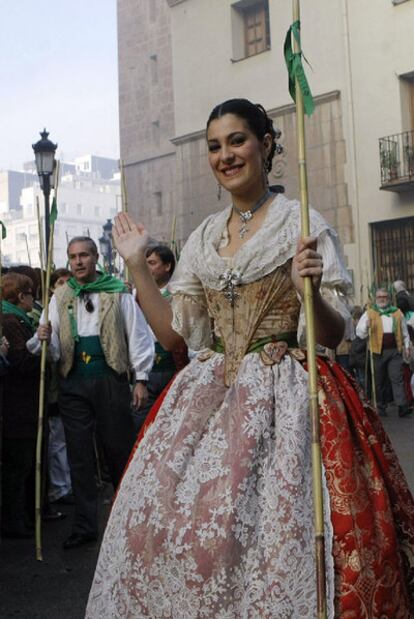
{"x":386,"y":328}
{"x":98,"y":334}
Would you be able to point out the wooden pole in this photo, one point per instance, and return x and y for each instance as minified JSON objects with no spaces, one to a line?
{"x":1,"y":289}
{"x":27,"y":250}
{"x":311,"y":349}
{"x":124,"y":202}
{"x":41,"y":249}
{"x":42,"y":392}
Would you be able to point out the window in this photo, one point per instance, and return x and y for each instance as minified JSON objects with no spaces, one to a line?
{"x":155,"y":132}
{"x":158,"y":202}
{"x":62,"y":208}
{"x":154,"y":68}
{"x":97,"y":211}
{"x":250,"y":28}
{"x":393,"y":251}
{"x":79,"y":209}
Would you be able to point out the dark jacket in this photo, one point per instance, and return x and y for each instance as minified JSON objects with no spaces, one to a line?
{"x":21,"y":384}
{"x":358,"y":353}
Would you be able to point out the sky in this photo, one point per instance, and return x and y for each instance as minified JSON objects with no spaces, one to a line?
{"x":58,"y":69}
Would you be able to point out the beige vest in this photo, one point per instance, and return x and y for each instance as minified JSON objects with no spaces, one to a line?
{"x":111,"y":332}
{"x":377,"y":331}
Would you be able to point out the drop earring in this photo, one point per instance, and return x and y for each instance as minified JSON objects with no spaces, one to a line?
{"x":265,"y":174}
{"x":218,"y":191}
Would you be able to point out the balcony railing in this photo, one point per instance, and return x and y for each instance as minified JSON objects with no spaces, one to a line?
{"x":397,"y":161}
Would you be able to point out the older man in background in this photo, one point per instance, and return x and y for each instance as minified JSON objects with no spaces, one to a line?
{"x":386,"y":328}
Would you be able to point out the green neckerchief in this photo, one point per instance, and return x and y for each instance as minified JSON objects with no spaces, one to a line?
{"x":9,"y":308}
{"x":386,"y":311}
{"x":103,"y":283}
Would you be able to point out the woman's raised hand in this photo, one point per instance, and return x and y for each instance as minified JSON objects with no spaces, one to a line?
{"x":307,"y":262}
{"x":130,"y":239}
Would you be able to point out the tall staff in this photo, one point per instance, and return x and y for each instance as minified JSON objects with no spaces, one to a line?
{"x":3,"y":234}
{"x":301,"y":94}
{"x":41,"y":249}
{"x":42,"y":388}
{"x":124,"y":201}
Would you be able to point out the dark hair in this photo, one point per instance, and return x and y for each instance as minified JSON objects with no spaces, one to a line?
{"x":84,"y":239}
{"x":25,"y":269}
{"x":57,"y":274}
{"x":164,"y":253}
{"x":13,"y":284}
{"x":256,"y":118}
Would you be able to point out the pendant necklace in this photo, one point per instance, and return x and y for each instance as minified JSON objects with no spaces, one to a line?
{"x":246,"y":216}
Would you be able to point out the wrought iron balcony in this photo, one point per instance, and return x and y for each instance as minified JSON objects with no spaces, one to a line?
{"x":397,"y":162}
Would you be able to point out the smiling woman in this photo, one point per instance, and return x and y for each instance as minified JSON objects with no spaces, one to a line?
{"x":214,"y":517}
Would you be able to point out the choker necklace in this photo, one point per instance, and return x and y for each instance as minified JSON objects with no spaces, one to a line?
{"x":246,"y":216}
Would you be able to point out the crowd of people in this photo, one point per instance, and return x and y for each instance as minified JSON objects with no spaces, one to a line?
{"x":104,"y":371}
{"x":213,"y":514}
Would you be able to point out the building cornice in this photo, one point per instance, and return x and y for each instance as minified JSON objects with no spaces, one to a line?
{"x":128,"y":163}
{"x":276,"y":111}
{"x":174,"y":2}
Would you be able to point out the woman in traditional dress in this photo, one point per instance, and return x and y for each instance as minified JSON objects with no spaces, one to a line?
{"x":213,"y":518}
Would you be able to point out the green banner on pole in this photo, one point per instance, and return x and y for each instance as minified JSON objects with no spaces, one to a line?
{"x":3,"y":230}
{"x":53,"y":212}
{"x":296,"y":70}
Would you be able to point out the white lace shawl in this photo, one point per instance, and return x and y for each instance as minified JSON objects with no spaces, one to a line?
{"x":273,"y":244}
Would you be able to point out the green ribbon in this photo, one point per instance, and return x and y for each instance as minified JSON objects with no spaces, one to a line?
{"x":53,"y":212}
{"x":103,"y":283}
{"x":10,"y":308}
{"x":73,"y":324}
{"x":3,"y":230}
{"x":289,"y":337}
{"x":296,"y":70}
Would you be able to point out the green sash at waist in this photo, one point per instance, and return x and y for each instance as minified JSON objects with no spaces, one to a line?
{"x":289,"y":337}
{"x":89,"y":358}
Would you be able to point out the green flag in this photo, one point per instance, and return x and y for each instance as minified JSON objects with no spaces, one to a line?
{"x":296,"y":70}
{"x":53,"y":212}
{"x":3,"y":230}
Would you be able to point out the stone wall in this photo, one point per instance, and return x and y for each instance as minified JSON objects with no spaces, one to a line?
{"x":146,"y":111}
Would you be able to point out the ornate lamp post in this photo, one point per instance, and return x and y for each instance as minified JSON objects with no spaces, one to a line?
{"x":44,"y":151}
{"x":105,"y":245}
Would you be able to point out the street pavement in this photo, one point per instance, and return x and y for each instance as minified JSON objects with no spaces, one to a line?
{"x":58,"y":587}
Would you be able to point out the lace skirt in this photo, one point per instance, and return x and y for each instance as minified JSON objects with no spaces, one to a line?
{"x":214,"y":520}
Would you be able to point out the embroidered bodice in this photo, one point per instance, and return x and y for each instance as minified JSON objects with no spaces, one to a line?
{"x":267,"y":307}
{"x":251,"y":295}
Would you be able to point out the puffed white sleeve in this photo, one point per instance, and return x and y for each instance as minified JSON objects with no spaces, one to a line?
{"x":140,"y":340}
{"x":189,"y":306}
{"x":336,"y":283}
{"x":34,"y":345}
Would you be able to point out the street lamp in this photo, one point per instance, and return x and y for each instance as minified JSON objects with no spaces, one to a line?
{"x":105,"y":245}
{"x":44,"y":151}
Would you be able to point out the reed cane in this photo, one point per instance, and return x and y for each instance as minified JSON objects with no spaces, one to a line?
{"x":310,"y":345}
{"x":42,"y":391}
{"x":41,"y":250}
{"x":372,"y":367}
{"x":124,"y":202}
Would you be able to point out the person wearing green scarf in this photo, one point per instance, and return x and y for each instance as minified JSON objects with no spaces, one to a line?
{"x":20,"y":404}
{"x":386,"y":329}
{"x":98,"y":336}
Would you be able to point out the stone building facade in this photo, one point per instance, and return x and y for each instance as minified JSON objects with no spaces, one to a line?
{"x":199,"y":47}
{"x":146,"y":106}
